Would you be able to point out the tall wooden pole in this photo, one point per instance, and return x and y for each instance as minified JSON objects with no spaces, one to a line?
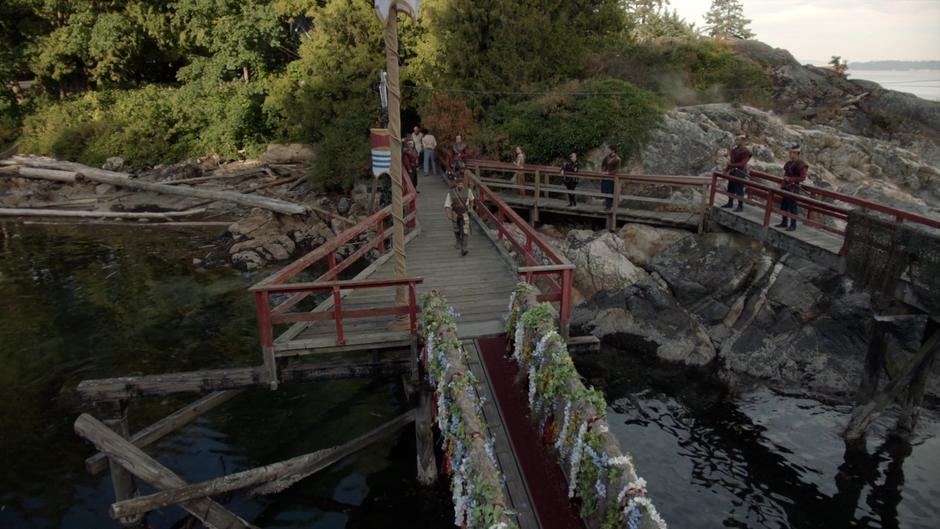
{"x":394,"y":129}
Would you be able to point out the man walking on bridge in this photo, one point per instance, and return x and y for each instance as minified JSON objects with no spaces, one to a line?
{"x":457,"y":207}
{"x":794,"y":172}
{"x":737,"y":167}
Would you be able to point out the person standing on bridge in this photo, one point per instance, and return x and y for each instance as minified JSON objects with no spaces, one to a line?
{"x":520,"y":176}
{"x":457,"y":207}
{"x":428,"y":144}
{"x":738,"y":158}
{"x":416,"y":137}
{"x":609,"y":165}
{"x":569,"y":177}
{"x":794,"y":173}
{"x":456,"y":159}
{"x":409,"y":163}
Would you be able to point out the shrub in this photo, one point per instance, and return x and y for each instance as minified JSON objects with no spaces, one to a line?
{"x":580,"y":117}
{"x":446,"y":116}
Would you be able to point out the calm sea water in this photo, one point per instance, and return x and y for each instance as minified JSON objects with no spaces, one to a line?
{"x":762,"y":459}
{"x":922,"y":83}
{"x":87,"y":302}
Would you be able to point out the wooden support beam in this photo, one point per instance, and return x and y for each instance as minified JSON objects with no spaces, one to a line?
{"x":34,"y":212}
{"x":138,"y":463}
{"x":114,"y":415}
{"x":166,"y":425}
{"x":283,"y":474}
{"x":424,"y":439}
{"x":864,"y":415}
{"x":221,"y":379}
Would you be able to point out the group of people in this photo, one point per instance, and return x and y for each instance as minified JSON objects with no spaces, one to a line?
{"x":610,"y":165}
{"x":795,"y":171}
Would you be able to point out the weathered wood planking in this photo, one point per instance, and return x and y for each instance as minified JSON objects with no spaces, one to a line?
{"x":135,"y":461}
{"x":288,"y":472}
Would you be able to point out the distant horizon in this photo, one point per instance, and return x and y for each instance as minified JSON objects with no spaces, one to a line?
{"x":934,"y":63}
{"x":856,"y":30}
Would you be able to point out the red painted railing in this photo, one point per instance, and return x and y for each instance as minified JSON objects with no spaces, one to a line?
{"x":378,"y":234}
{"x":763,"y":191}
{"x":540,"y":261}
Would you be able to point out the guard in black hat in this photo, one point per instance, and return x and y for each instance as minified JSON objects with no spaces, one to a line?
{"x":794,"y":173}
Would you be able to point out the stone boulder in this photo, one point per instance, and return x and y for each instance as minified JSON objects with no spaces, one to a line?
{"x":287,"y":153}
{"x":600,"y":261}
{"x":641,"y":242}
{"x":643,"y":315}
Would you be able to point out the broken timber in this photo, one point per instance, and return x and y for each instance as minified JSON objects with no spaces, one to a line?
{"x":122,"y":388}
{"x":135,"y":461}
{"x":280,"y":475}
{"x":124,"y":180}
{"x":166,"y":425}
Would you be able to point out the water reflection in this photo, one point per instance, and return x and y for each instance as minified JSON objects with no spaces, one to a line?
{"x":84,"y":302}
{"x":763,"y":459}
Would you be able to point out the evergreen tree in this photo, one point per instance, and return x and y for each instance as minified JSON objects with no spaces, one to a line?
{"x":651,"y":20}
{"x":725,"y":20}
{"x":838,"y":65}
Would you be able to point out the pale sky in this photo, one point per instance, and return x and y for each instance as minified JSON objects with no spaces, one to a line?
{"x":858,"y":30}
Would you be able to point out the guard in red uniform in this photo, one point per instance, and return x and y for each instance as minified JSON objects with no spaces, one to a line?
{"x":794,"y":173}
{"x":737,"y":167}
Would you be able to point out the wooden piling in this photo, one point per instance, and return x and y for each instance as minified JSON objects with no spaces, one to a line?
{"x":424,"y":438}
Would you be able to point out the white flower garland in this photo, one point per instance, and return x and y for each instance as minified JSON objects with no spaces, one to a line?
{"x":641,"y":501}
{"x":519,"y":338}
{"x":560,"y":443}
{"x":532,"y":388}
{"x":576,"y":459}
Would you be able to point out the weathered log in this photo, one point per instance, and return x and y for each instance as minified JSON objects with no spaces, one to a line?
{"x":54,"y":175}
{"x":31,"y":212}
{"x":166,"y":425}
{"x":218,"y":379}
{"x":148,"y":469}
{"x":124,"y":180}
{"x":286,"y":473}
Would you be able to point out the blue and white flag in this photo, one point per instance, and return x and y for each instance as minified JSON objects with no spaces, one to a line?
{"x":381,"y":152}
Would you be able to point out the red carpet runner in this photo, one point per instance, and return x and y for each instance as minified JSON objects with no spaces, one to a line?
{"x":542,"y":474}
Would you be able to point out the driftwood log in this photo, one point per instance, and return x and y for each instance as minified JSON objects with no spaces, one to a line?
{"x":144,"y":467}
{"x":54,"y":175}
{"x":283,"y":473}
{"x":31,"y":212}
{"x":124,"y":180}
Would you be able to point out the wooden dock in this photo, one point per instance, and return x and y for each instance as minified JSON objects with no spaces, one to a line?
{"x":478,"y":285}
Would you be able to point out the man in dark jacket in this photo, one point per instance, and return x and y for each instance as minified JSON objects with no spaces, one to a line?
{"x":737,"y":167}
{"x":609,"y":165}
{"x":794,"y":173}
{"x":569,"y":177}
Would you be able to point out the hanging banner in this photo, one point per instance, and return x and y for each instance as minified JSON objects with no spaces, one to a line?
{"x":381,"y":151}
{"x":408,"y":7}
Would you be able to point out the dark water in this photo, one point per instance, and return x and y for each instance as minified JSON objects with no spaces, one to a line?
{"x":761,"y":459}
{"x":86,"y":302}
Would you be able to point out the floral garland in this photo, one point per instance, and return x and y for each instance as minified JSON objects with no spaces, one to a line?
{"x":576,"y":438}
{"x":476,"y":503}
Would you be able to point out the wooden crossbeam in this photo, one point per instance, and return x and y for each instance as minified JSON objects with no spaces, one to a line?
{"x":122,"y":388}
{"x":150,"y":470}
{"x":280,"y":475}
{"x":176,"y":420}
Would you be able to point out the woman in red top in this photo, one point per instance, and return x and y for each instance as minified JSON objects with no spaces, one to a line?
{"x":737,"y":167}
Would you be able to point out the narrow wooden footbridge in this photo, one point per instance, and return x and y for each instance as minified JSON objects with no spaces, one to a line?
{"x":343,"y":310}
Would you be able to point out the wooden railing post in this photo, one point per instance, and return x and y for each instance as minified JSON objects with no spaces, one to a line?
{"x":500,"y":221}
{"x":701,"y":222}
{"x":266,"y":332}
{"x":615,"y":204}
{"x":768,"y":208}
{"x":412,"y":308}
{"x":338,"y":316}
{"x":538,"y":192}
{"x":711,"y":196}
{"x":565,"y":313}
{"x":529,"y":260}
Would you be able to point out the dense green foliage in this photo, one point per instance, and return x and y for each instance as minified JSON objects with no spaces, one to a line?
{"x":155,"y":81}
{"x":580,"y":117}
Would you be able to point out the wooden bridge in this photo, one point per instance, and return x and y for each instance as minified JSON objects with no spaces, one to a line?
{"x":340,"y":300}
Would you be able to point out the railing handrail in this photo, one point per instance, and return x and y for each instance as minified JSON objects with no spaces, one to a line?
{"x":817,"y":204}
{"x":335,"y":243}
{"x":554,"y":255}
{"x":855,"y":201}
{"x":342,"y":285}
{"x":598,"y":175}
